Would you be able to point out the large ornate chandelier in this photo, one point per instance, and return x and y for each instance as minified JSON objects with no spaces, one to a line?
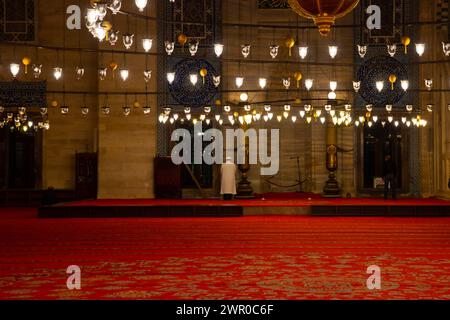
{"x":323,"y":12}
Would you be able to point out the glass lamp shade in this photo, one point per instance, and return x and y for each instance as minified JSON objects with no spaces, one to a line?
{"x":57,"y":73}
{"x":218,"y":49}
{"x":239,"y":81}
{"x":115,"y":6}
{"x":273,"y":50}
{"x":141,"y":4}
{"x":392,"y":49}
{"x":128,"y":40}
{"x":124,"y":74}
{"x":171,"y":77}
{"x":333,"y":50}
{"x":243,"y":97}
{"x":380,"y":85}
{"x":405,"y":84}
{"x":193,"y":78}
{"x":262,"y":83}
{"x":362,"y":51}
{"x":303,"y":52}
{"x":309,"y":83}
{"x":332,"y":95}
{"x":333,"y":85}
{"x":14,"y":68}
{"x":420,"y":49}
{"x":147,"y":44}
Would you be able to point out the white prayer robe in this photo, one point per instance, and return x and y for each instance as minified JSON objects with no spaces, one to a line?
{"x":228,"y":173}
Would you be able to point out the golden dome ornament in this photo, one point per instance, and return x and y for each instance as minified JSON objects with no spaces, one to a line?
{"x":290,"y":43}
{"x":406,"y":41}
{"x":136,"y":104}
{"x":323,"y":12}
{"x":26,"y":62}
{"x":392,"y":80}
{"x":203,"y":74}
{"x":54,"y":103}
{"x":182,"y":40}
{"x":114,"y":66}
{"x":298,"y":77}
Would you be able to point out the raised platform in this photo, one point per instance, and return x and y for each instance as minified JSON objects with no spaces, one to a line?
{"x":218,"y":208}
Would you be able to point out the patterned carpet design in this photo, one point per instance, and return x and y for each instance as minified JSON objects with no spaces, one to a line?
{"x":260,"y":257}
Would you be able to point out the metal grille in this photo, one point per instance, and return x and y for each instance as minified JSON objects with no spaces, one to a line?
{"x":17,"y":20}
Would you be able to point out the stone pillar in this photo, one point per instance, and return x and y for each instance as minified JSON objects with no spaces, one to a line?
{"x":331,"y":189}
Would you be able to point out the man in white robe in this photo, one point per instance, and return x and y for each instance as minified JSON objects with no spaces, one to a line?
{"x":228,"y":183}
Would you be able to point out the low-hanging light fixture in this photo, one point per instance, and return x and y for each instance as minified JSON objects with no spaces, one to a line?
{"x":141,"y":4}
{"x":380,"y":85}
{"x":171,"y":77}
{"x":124,"y":73}
{"x":332,"y":50}
{"x":420,"y":49}
{"x":194,"y":79}
{"x":14,"y":68}
{"x":239,"y":81}
{"x":218,"y":49}
{"x":147,"y":44}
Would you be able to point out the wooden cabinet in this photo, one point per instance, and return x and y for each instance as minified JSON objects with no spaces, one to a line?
{"x":86,"y":176}
{"x":167,"y":179}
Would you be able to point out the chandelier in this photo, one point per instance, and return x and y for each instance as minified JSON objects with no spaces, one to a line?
{"x":323,"y":12}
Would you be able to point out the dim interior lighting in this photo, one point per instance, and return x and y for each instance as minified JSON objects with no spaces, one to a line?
{"x":218,"y":49}
{"x":147,"y":44}
{"x":239,"y":81}
{"x":357,"y":123}
{"x":57,"y":73}
{"x":262,"y":83}
{"x":302,"y":113}
{"x":420,"y":49}
{"x":243,"y":97}
{"x":333,"y":50}
{"x":390,"y":119}
{"x":375,"y":119}
{"x":322,"y":120}
{"x":380,"y":85}
{"x":294,"y":119}
{"x":14,"y":68}
{"x":124,"y":73}
{"x":309,"y":83}
{"x":141,"y":4}
{"x":171,"y":77}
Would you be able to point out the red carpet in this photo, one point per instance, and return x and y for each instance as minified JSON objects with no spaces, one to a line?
{"x":269,"y":257}
{"x":264,"y":202}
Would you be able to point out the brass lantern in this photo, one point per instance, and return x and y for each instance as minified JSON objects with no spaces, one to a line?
{"x":323,"y":12}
